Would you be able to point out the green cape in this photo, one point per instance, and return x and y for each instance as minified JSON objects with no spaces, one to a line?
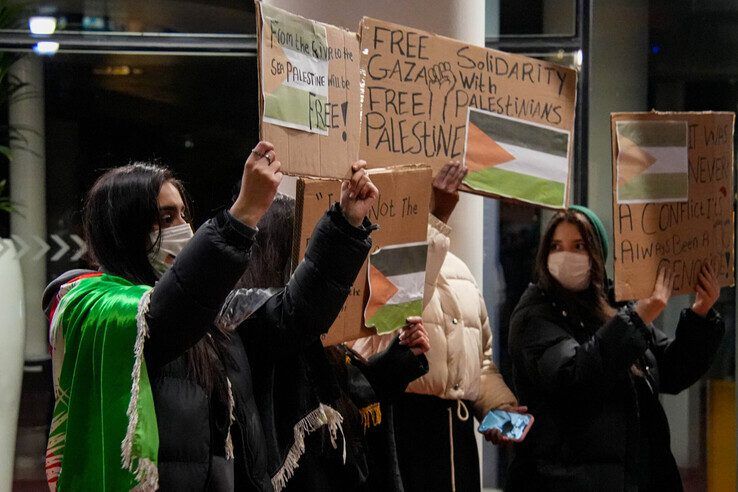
{"x":103,"y":433}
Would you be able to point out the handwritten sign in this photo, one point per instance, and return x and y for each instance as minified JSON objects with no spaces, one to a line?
{"x":683,"y":234}
{"x":418,"y":87}
{"x":401,"y":212}
{"x":309,"y":97}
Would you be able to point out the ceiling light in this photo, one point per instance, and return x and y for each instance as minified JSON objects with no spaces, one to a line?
{"x":42,"y":24}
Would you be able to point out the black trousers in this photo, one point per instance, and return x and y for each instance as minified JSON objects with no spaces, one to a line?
{"x":426,"y":444}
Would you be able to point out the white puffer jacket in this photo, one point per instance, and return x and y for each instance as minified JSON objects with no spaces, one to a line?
{"x":455,"y":317}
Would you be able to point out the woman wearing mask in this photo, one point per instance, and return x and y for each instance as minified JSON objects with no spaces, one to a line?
{"x":591,"y":373}
{"x":148,"y":393}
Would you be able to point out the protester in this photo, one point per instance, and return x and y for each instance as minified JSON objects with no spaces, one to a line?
{"x":148,"y":393}
{"x":436,"y":442}
{"x":591,"y":373}
{"x":361,"y":390}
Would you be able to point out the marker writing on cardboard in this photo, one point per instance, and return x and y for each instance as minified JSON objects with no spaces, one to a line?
{"x":416,"y":100}
{"x":386,"y":208}
{"x":684,"y":235}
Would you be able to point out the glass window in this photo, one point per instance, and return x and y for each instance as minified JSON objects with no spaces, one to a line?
{"x":195,"y":114}
{"x":160,"y":16}
{"x":198,"y":115}
{"x":538,"y":18}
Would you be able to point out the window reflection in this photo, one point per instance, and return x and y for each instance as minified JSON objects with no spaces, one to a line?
{"x":531,"y":17}
{"x":160,"y":16}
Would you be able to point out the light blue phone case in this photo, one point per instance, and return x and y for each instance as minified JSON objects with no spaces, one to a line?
{"x":512,"y":425}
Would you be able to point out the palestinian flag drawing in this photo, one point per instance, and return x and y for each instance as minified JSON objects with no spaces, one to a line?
{"x":294,"y":70}
{"x":516,"y":159}
{"x":396,"y":283}
{"x":652,"y":163}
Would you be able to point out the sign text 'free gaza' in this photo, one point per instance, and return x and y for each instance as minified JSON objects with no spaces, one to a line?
{"x":417,"y":88}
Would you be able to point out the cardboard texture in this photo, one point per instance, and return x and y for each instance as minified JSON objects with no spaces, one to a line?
{"x":680,"y":234}
{"x":303,"y":153}
{"x":417,"y":87}
{"x":401,"y":212}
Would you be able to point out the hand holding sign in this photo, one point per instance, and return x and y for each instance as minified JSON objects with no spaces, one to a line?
{"x":414,"y":336}
{"x":401,"y":211}
{"x":446,"y":189}
{"x":358,"y":194}
{"x":649,"y":309}
{"x":261,"y":178}
{"x":708,"y":291}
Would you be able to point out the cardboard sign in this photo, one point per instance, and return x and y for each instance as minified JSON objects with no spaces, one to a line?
{"x":418,"y":86}
{"x":308,"y":92}
{"x":658,"y":219}
{"x":401,"y":212}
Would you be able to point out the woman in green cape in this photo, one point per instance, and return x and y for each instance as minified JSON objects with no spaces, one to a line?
{"x":149,"y":394}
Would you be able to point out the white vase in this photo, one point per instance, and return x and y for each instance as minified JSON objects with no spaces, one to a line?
{"x":12,"y":344}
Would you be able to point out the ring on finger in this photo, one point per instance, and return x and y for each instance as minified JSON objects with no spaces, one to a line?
{"x":257,"y":153}
{"x":269,"y":157}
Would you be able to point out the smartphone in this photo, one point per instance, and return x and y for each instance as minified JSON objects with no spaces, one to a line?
{"x":512,"y":425}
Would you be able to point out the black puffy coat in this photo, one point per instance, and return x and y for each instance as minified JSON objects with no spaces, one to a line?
{"x":598,"y":421}
{"x":192,"y":423}
{"x":285,"y":360}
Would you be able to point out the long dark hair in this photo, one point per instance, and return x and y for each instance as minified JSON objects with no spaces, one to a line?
{"x":120,"y":211}
{"x":591,"y":302}
{"x":271,"y":253}
{"x":270,"y":267}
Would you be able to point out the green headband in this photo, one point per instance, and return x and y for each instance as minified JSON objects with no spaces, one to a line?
{"x":597,"y":224}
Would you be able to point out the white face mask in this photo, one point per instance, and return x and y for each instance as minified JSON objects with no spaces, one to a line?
{"x":571,"y":270}
{"x":173,"y":240}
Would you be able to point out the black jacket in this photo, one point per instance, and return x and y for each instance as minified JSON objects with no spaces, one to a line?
{"x":363,"y":391}
{"x":184,"y":304}
{"x":287,"y":362}
{"x":594,"y":393}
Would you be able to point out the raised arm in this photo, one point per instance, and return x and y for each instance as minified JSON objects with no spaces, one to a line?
{"x":444,"y":197}
{"x":186,"y":300}
{"x":318,"y":288}
{"x":683,"y":360}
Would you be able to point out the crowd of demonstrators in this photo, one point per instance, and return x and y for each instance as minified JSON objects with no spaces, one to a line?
{"x":193,"y":360}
